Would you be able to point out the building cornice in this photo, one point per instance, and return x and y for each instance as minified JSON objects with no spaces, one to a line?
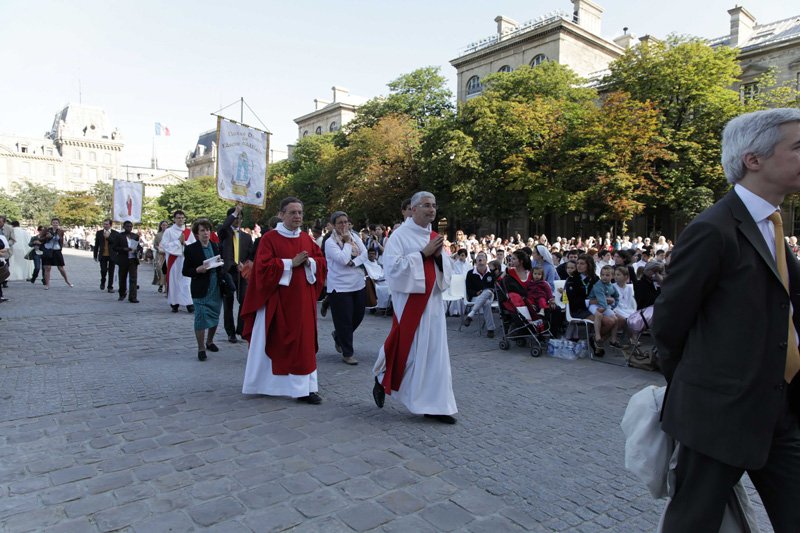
{"x":98,"y":145}
{"x":326,"y":110}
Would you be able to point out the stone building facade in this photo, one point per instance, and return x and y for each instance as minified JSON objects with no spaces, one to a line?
{"x":154,"y":179}
{"x":572,"y":39}
{"x":329,"y":116}
{"x":202,"y":161}
{"x":80,"y":150}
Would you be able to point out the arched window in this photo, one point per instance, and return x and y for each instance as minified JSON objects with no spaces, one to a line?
{"x":474,"y":86}
{"x":318,"y":131}
{"x":333,"y":127}
{"x":505,"y":68}
{"x":538,"y":60}
{"x":305,"y":133}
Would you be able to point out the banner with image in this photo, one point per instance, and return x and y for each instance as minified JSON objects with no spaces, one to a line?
{"x":242,"y":155}
{"x":127,"y":201}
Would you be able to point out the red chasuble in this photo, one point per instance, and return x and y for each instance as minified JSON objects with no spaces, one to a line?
{"x":398,"y":343}
{"x":291,"y":312}
{"x":171,"y":258}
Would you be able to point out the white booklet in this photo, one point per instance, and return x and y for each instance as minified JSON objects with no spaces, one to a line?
{"x":213,"y":262}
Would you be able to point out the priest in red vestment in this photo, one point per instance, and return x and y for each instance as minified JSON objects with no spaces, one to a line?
{"x":280,"y":311}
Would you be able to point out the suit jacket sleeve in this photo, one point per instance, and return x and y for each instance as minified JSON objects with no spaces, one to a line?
{"x":693,"y":273}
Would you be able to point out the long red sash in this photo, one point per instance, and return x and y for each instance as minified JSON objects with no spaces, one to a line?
{"x":398,"y":343}
{"x":171,"y":258}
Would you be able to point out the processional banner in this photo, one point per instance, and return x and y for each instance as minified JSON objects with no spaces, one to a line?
{"x":127,"y":201}
{"x":242,"y":156}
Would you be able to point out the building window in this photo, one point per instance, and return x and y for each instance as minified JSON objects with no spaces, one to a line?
{"x":48,"y":151}
{"x":108,"y":174}
{"x":107,"y":158}
{"x":23,"y":148}
{"x":93,"y":174}
{"x":538,"y":60}
{"x":77,"y":172}
{"x":474,"y":86}
{"x":334,"y":126}
{"x":318,"y":131}
{"x":305,"y":133}
{"x":93,"y":155}
{"x":505,"y":68}
{"x":51,"y":171}
{"x":77,"y":154}
{"x":748,"y":91}
{"x":26,"y":169}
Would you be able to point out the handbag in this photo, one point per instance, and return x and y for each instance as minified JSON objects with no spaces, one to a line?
{"x":644,"y":359}
{"x":29,"y":255}
{"x":5,"y":272}
{"x":372,"y":295}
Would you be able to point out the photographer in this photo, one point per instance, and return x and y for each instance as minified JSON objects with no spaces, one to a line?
{"x":375,"y":239}
{"x":53,"y":243}
{"x":36,"y":253}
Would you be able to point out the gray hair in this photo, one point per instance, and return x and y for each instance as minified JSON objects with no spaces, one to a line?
{"x":752,"y":133}
{"x":337,"y":214}
{"x":418,"y":196}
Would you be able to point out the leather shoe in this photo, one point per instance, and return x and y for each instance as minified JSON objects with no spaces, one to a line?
{"x":174,"y":308}
{"x":313,"y":399}
{"x":134,"y":301}
{"x":211,"y":347}
{"x":323,"y":309}
{"x":122,"y":297}
{"x":202,"y":355}
{"x":378,"y":394}
{"x":111,"y":289}
{"x":103,"y":286}
{"x":467,"y":321}
{"x":232,"y":339}
{"x":350,"y":360}
{"x":444,"y":419}
{"x":190,"y":308}
{"x":490,"y":334}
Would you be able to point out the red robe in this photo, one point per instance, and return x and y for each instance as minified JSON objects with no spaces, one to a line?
{"x":291,"y":312}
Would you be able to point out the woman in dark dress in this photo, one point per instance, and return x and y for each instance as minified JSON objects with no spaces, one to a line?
{"x":578,"y":287}
{"x":206,"y":296}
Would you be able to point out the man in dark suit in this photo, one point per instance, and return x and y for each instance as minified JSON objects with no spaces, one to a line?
{"x":103,"y":252}
{"x":726,"y":329}
{"x":127,"y":250}
{"x":236,"y":246}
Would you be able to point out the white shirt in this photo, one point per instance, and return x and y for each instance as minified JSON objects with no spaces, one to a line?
{"x":344,"y":276}
{"x":759,"y":209}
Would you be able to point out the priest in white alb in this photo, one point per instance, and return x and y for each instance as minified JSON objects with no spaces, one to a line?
{"x":414,"y":363}
{"x":175,"y":239}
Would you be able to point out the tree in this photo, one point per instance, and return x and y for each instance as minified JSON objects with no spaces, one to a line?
{"x":104,"y":193}
{"x":9,"y":207}
{"x":546,"y":80}
{"x":153,"y":213}
{"x":36,"y":202}
{"x":310,"y":175}
{"x":690,"y":84}
{"x":78,"y":209}
{"x":197,"y":198}
{"x":422,"y":95}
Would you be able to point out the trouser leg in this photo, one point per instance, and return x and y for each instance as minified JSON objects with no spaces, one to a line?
{"x":342,"y":315}
{"x":486,"y":308}
{"x":133,"y":280}
{"x":123,"y":277}
{"x":103,"y":271}
{"x":37,"y":265}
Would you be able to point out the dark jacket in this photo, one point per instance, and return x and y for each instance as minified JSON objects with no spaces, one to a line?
{"x":225,"y":234}
{"x":192,"y":258}
{"x":645,"y":292}
{"x":720,"y":325}
{"x":98,"y":243}
{"x":476,"y":284}
{"x":578,"y":291}
{"x":120,"y":249}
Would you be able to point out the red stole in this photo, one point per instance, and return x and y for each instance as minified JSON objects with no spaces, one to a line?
{"x":398,"y":343}
{"x":171,"y":258}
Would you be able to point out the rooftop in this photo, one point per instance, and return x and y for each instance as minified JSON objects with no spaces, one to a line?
{"x":765,"y":34}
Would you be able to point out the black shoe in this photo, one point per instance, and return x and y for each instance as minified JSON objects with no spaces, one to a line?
{"x":232,"y":339}
{"x":336,"y":342}
{"x":490,"y":334}
{"x":202,"y":355}
{"x":323,"y":310}
{"x":102,"y":285}
{"x":467,"y":321}
{"x":190,"y":308}
{"x":160,"y":288}
{"x":378,"y":394}
{"x":121,"y":297}
{"x":111,"y":289}
{"x":32,"y":280}
{"x":211,"y":347}
{"x":444,"y":419}
{"x":134,"y":301}
{"x":174,"y":308}
{"x":313,"y":399}
{"x":43,"y":283}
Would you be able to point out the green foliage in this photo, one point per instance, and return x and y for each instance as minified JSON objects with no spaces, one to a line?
{"x":153,"y":213}
{"x":197,"y":198}
{"x":9,"y":207}
{"x":36,"y":202}
{"x":547,"y":80}
{"x":104,"y":194}
{"x":78,"y":209}
{"x":422,"y":95}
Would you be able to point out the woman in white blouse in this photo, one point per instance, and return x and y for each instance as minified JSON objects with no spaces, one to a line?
{"x":345,"y":254}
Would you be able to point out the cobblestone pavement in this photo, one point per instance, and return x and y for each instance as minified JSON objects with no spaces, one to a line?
{"x":109,"y":423}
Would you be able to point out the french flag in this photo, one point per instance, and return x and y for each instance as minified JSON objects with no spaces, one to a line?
{"x":161,"y":129}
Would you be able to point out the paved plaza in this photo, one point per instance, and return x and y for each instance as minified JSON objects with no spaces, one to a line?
{"x":108,"y":422}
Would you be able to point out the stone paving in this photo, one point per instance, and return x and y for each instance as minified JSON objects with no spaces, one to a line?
{"x":109,"y":423}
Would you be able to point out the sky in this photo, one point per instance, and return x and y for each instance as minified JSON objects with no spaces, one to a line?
{"x":177,"y":62}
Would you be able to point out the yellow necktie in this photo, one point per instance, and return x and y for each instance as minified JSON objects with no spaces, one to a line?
{"x":792,"y":353}
{"x":236,"y":247}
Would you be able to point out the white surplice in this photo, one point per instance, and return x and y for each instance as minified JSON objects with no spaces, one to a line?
{"x":21,"y":268}
{"x":179,"y":292}
{"x":258,"y":376}
{"x":427,"y":386}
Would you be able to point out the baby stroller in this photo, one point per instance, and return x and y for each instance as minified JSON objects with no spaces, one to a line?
{"x":521,"y":323}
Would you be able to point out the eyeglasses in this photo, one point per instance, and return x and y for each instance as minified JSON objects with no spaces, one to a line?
{"x":427,"y":206}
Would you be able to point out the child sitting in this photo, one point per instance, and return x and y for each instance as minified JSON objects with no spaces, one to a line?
{"x":603,"y":298}
{"x":539,"y":291}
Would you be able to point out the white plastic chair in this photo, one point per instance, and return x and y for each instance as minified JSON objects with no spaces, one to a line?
{"x":588,"y":326}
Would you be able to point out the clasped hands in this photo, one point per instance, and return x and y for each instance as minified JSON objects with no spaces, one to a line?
{"x":434,"y":246}
{"x":300,"y":259}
